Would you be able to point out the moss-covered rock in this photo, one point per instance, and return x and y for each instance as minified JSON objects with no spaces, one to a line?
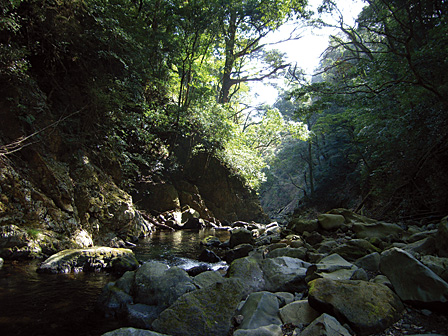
{"x":368,"y":307}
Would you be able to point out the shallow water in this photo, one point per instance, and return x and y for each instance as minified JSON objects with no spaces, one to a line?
{"x":36,"y":304}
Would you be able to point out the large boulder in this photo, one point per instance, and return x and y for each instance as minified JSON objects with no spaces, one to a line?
{"x":259,"y":310}
{"x":412,"y":280}
{"x":299,"y":252}
{"x":91,"y":259}
{"x":284,"y":274}
{"x":330,"y":221}
{"x":270,"y":330}
{"x":300,"y":225}
{"x":354,"y":249}
{"x":204,"y":312}
{"x":368,"y":307}
{"x":132,"y":332}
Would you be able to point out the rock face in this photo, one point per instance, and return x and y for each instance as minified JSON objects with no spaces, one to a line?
{"x":367,"y":307}
{"x":93,"y":259}
{"x":204,"y":312}
{"x":412,"y":280}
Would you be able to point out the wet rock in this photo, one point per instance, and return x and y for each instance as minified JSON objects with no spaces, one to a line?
{"x":260,"y":309}
{"x":271,"y":330}
{"x":91,"y":259}
{"x":141,"y":315}
{"x":325,"y":325}
{"x":113,"y":301}
{"x":240,"y":236}
{"x":196,"y":270}
{"x":298,"y":313}
{"x":442,"y":238}
{"x":132,"y":332}
{"x":284,"y":274}
{"x":193,"y":224}
{"x":209,"y":256}
{"x":204,"y":312}
{"x":330,"y":221}
{"x":412,"y":280}
{"x":240,"y":251}
{"x":368,"y":307}
{"x":211,"y":241}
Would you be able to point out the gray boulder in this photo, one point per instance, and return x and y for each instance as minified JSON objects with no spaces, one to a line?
{"x":354,"y":249}
{"x":91,"y":259}
{"x":412,"y":280}
{"x":260,"y":309}
{"x":299,"y":253}
{"x":204,"y":312}
{"x":284,"y":274}
{"x":299,"y":225}
{"x":240,"y":251}
{"x":368,"y":307}
{"x":298,"y":313}
{"x":141,"y":316}
{"x":437,"y":265}
{"x":325,"y":325}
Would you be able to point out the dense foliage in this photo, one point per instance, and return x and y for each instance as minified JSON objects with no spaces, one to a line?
{"x":377,"y":110}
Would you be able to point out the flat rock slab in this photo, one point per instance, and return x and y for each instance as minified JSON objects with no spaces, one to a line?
{"x":90,"y":260}
{"x":368,"y":307}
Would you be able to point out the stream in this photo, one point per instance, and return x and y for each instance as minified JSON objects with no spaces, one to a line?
{"x":35,"y":304}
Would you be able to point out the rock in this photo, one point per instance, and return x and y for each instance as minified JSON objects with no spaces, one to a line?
{"x":1,"y":263}
{"x":209,"y":256}
{"x":249,"y":272}
{"x":92,"y":259}
{"x":437,"y":265}
{"x":211,"y":241}
{"x":158,"y":285}
{"x":196,"y":270}
{"x":420,"y":235}
{"x":132,"y":332}
{"x":158,"y":197}
{"x":412,"y":281}
{"x":193,"y":224}
{"x":351,"y":217}
{"x":383,"y":280}
{"x":284,"y":274}
{"x":379,"y":230}
{"x":271,"y":330}
{"x":240,"y":251}
{"x":313,"y":238}
{"x":368,"y":307}
{"x":325,"y":325}
{"x":113,"y":301}
{"x":354,"y":249}
{"x":299,"y":225}
{"x":370,"y":262}
{"x":298,"y":313}
{"x":284,"y":298}
{"x":260,"y":309}
{"x":330,"y":221}
{"x":12,"y":236}
{"x":207,"y":279}
{"x":204,"y":312}
{"x":141,"y":316}
{"x":442,"y":238}
{"x":331,"y":267}
{"x":299,"y":253}
{"x":240,"y":236}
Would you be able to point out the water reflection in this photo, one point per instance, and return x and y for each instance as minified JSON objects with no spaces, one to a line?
{"x":36,"y":304}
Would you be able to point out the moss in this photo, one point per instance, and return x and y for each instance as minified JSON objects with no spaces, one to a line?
{"x":33,"y":233}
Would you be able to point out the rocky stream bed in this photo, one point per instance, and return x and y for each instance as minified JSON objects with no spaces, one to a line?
{"x":338,"y":274}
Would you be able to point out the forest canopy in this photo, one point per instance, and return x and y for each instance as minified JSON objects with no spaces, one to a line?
{"x":152,"y":82}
